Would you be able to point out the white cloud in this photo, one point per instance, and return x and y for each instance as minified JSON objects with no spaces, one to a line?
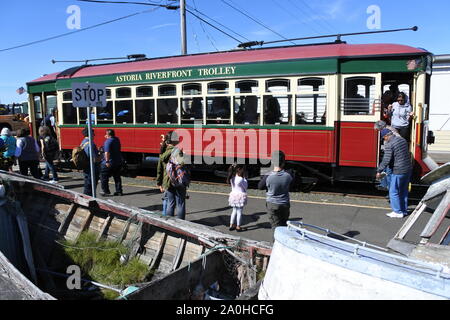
{"x":161,"y":26}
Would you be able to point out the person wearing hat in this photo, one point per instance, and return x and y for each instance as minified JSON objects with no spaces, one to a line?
{"x":396,"y":155}
{"x":174,"y":195}
{"x":10,"y":146}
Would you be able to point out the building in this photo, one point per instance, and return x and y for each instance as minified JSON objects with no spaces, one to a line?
{"x":440,"y":108}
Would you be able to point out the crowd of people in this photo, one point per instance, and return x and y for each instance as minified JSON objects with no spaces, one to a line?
{"x":173,"y":176}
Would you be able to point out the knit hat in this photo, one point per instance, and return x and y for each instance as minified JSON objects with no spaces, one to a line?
{"x":385,"y":132}
{"x":5,"y":132}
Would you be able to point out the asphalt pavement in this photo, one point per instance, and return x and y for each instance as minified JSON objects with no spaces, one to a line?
{"x":359,"y":218}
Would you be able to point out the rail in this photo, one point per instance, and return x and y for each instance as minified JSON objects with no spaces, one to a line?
{"x":358,"y":249}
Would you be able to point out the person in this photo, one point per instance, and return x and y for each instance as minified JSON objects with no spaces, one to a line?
{"x":49,"y":148}
{"x":388,"y":98}
{"x":277,"y":183}
{"x":176,"y":196}
{"x":111,"y":164}
{"x":238,"y":195}
{"x":10,"y":148}
{"x":50,"y":122}
{"x":160,"y":168}
{"x":355,"y":103}
{"x":396,"y":151}
{"x":272,"y":112}
{"x":385,"y":179}
{"x":27,"y":151}
{"x":400,"y":113}
{"x":87,"y":171}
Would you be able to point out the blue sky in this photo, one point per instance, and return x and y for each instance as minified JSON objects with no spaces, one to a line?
{"x":157,"y":33}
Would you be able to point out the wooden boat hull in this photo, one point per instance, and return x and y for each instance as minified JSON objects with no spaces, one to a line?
{"x":167,"y":245}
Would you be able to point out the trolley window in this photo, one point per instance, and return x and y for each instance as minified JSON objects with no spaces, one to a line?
{"x":144,"y":91}
{"x":359,"y":95}
{"x":122,"y":93}
{"x":167,"y":90}
{"x":145,"y":111}
{"x":67,"y":96}
{"x":191,"y":110}
{"x":167,"y":111}
{"x":69,"y":113}
{"x":311,"y":84}
{"x":277,"y":109}
{"x":246,"y":110}
{"x":220,"y":87}
{"x":311,"y":102}
{"x":192,"y":89}
{"x":105,"y":115}
{"x":277,"y":85}
{"x":247,"y":86}
{"x":124,"y":111}
{"x":218,"y":110}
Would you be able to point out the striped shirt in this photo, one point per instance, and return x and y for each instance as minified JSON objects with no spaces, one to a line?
{"x":397,"y":152}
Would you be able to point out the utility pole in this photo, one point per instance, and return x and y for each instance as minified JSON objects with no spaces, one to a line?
{"x":183,"y":26}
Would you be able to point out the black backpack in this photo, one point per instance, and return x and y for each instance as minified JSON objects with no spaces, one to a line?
{"x":51,"y":146}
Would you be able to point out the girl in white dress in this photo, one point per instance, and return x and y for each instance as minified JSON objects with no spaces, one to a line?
{"x":238,"y":195}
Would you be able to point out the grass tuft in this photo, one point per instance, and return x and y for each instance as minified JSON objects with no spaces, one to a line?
{"x":100,"y":261}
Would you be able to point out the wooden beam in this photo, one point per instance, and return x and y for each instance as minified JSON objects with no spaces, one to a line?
{"x":105,"y":225}
{"x":159,"y":252}
{"x":179,"y":254}
{"x":69,"y":215}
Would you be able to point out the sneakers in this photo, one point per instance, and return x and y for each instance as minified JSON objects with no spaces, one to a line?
{"x":105,"y":194}
{"x":395,"y":215}
{"x":118,"y":193}
{"x":53,"y":181}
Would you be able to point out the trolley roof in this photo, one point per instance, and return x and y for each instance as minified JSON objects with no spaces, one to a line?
{"x":303,"y":52}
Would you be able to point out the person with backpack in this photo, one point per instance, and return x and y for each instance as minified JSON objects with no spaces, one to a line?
{"x":111,"y":164}
{"x":49,"y":151}
{"x":238,"y":195}
{"x":173,"y":176}
{"x":27,"y":151}
{"x":10,"y":146}
{"x":86,"y":165}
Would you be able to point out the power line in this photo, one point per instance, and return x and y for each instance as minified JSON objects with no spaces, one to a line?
{"x":132,"y":2}
{"x":213,"y":26}
{"x":255,"y":20}
{"x":204,"y":31}
{"x":80,"y":30}
{"x":293,"y":15}
{"x":166,"y":6}
{"x":217,"y":22}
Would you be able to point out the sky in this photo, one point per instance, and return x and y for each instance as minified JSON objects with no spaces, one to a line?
{"x":155,"y":31}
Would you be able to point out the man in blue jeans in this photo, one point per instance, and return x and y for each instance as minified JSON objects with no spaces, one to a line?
{"x":396,"y":153}
{"x":111,"y":164}
{"x":87,"y":171}
{"x":175,"y":196}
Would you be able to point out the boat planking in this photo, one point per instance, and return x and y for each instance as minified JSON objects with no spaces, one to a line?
{"x":184,"y":259}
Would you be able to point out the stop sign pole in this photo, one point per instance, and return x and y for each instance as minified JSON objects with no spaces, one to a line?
{"x":86,"y":95}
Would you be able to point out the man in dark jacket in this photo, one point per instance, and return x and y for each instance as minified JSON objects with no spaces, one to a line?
{"x":111,"y":164}
{"x":87,"y":170}
{"x":397,"y":154}
{"x":277,"y":184}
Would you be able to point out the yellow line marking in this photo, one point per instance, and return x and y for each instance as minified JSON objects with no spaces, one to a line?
{"x":263,"y":198}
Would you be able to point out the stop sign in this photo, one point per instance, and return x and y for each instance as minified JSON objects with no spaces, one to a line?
{"x":86,"y":94}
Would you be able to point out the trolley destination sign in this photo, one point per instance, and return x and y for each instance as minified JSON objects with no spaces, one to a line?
{"x":177,"y":74}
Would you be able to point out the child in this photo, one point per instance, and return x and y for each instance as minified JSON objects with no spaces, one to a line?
{"x":238,"y":195}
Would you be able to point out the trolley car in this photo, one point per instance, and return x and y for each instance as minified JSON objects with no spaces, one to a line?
{"x":322,"y":101}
